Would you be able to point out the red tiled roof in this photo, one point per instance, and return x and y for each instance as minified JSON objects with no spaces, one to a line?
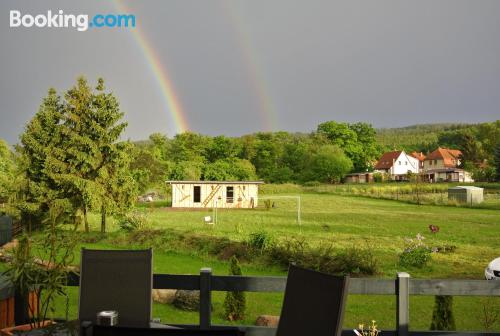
{"x":449,"y":156}
{"x":387,"y":160}
{"x":419,"y":156}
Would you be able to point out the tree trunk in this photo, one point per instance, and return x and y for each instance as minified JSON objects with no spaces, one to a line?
{"x":103,"y":219}
{"x":85,"y":219}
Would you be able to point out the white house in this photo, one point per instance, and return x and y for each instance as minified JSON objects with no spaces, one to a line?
{"x":397,"y":164}
{"x":220,"y":194}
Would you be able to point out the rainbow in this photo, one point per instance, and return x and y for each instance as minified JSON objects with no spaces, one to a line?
{"x":267,"y":108}
{"x":165,"y":84}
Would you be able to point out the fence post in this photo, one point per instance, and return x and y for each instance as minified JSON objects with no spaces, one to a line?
{"x":205,"y":298}
{"x":403,"y":304}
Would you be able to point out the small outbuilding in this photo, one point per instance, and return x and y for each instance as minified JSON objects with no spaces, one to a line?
{"x":220,"y":194}
{"x":359,"y":178}
{"x":466,"y":194}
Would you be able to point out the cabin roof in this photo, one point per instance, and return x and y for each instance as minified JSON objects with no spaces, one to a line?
{"x":215,"y":182}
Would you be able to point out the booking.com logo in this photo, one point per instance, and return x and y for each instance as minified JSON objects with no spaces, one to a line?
{"x":81,"y":21}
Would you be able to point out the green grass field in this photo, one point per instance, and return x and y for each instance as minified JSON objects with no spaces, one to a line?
{"x":345,"y":221}
{"x":342,"y":221}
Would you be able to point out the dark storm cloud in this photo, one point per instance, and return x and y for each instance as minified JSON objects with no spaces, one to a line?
{"x":391,"y":63}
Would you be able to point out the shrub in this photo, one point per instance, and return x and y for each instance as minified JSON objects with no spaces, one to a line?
{"x":416,"y":253}
{"x":312,"y":184}
{"x":324,"y":258}
{"x":260,"y":240}
{"x":442,"y":316}
{"x":133,"y":221}
{"x":378,"y":177}
{"x":235,"y":302}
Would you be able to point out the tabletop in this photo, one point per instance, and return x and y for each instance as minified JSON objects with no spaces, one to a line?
{"x":73,"y":328}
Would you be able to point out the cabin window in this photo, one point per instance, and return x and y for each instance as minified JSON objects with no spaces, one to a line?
{"x":229,"y":194}
{"x":196,"y":194}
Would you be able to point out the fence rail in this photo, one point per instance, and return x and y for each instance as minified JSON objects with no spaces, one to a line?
{"x":402,"y":286}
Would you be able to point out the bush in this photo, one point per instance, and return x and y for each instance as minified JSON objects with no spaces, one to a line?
{"x":134,"y":221}
{"x":416,"y":253}
{"x":260,"y":240}
{"x":418,"y":257}
{"x":324,"y":258}
{"x":235,"y":302}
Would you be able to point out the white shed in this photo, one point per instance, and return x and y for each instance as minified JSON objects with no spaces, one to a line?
{"x":220,"y":194}
{"x":466,"y":194}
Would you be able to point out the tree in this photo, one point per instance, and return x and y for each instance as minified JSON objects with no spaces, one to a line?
{"x":7,"y":168}
{"x":222,"y":147}
{"x":442,"y":316}
{"x":229,"y":169}
{"x":356,"y":140}
{"x":36,"y":188}
{"x":330,"y":164}
{"x":370,"y":151}
{"x":497,"y":161}
{"x":70,"y":152}
{"x":112,"y":171}
{"x":187,"y":170}
{"x":235,"y":302}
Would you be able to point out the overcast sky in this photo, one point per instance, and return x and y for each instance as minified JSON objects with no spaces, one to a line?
{"x":244,"y":66}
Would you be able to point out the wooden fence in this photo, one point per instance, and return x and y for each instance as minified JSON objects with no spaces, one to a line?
{"x":402,"y":286}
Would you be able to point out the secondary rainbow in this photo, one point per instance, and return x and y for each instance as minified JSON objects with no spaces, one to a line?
{"x":165,"y":84}
{"x":267,"y":107}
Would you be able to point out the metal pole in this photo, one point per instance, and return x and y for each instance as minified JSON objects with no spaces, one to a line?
{"x":298,"y":210}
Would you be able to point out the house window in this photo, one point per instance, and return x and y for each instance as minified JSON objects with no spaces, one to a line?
{"x":435,"y":162}
{"x":430,"y":163}
{"x":229,"y":194}
{"x":399,"y":162}
{"x":196,"y":194}
{"x":406,"y":163}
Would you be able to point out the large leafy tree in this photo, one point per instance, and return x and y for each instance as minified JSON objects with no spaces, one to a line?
{"x":356,"y":140}
{"x":330,"y":164}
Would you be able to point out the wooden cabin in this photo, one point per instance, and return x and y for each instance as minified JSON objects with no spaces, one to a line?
{"x":220,"y":194}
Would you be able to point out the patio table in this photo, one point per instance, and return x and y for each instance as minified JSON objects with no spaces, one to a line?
{"x":72,"y":328}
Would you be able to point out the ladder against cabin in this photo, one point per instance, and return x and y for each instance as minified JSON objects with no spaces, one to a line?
{"x":211,"y":195}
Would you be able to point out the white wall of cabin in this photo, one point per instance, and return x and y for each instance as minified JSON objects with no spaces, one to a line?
{"x":183,"y":195}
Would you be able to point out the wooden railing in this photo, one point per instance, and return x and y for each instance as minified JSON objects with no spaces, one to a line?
{"x":402,"y":286}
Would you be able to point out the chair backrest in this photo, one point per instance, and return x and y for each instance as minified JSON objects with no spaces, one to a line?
{"x":313,"y":305}
{"x":119,"y":280}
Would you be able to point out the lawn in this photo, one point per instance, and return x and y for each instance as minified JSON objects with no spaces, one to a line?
{"x":342,"y":221}
{"x":346,"y":221}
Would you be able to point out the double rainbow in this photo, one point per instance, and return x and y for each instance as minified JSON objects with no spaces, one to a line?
{"x":160,"y":73}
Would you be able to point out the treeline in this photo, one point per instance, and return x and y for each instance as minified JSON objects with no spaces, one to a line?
{"x":325,"y":155}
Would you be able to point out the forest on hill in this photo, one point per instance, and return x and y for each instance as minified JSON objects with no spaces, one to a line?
{"x":324,"y":155}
